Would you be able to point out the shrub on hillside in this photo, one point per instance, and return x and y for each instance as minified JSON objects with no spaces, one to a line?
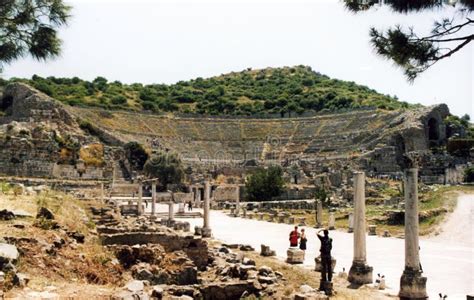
{"x":136,"y":155}
{"x":469,"y":174}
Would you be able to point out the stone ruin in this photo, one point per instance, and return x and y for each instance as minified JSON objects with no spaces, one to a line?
{"x":33,"y":126}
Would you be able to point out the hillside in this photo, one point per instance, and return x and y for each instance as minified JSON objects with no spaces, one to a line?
{"x":249,"y":92}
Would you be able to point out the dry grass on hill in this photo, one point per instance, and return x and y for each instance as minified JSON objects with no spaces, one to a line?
{"x":71,"y":267}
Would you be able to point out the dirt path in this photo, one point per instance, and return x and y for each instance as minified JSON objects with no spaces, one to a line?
{"x":459,"y":226}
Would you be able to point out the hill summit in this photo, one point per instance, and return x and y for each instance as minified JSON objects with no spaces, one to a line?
{"x":286,"y":90}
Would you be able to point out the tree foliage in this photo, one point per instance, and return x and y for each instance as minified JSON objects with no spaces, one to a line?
{"x":415,"y":53}
{"x":469,"y":174}
{"x":280,"y":91}
{"x":136,"y":155}
{"x":30,"y":27}
{"x":264,"y":184}
{"x":167,"y":167}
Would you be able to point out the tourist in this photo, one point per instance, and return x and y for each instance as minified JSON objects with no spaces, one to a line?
{"x":190,"y":206}
{"x":303,"y":240}
{"x":326,"y":247}
{"x":294,"y":236}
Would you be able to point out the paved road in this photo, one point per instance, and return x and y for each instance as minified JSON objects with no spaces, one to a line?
{"x":447,"y":260}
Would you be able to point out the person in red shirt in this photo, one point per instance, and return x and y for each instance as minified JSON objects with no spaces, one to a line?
{"x":294,"y":236}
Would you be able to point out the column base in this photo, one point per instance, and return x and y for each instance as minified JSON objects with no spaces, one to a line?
{"x":318,"y":225}
{"x":206,"y":232}
{"x":412,"y":285}
{"x":360,"y":273}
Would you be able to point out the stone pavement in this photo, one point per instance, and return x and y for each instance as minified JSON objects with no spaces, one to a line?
{"x":449,"y":266}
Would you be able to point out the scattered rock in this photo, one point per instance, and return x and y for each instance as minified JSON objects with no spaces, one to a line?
{"x":266,"y":251}
{"x":157,"y":292}
{"x":224,"y":250}
{"x":266,"y":279}
{"x":21,"y":280}
{"x":248,"y":262}
{"x":79,"y":237}
{"x":246,"y":248}
{"x":265,"y":271}
{"x":8,"y":252}
{"x":6,"y":215}
{"x":135,"y":286}
{"x":306,"y":289}
{"x":45,"y":214}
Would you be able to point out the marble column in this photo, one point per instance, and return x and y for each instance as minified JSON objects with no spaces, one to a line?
{"x":412,"y":283}
{"x":332,"y":221}
{"x":319,"y":214}
{"x":171,"y":209}
{"x":360,"y":272}
{"x":237,"y":200}
{"x":102,"y":192}
{"x":140,"y":198}
{"x":351,"y":223}
{"x":153,"y":198}
{"x":206,"y":229}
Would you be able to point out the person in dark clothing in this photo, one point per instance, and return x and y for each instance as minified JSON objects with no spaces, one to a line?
{"x":190,"y":206}
{"x":326,"y":247}
{"x":294,"y":236}
{"x":303,"y":240}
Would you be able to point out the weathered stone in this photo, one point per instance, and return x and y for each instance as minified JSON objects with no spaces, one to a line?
{"x":157,"y":292}
{"x":265,"y":271}
{"x":8,"y":252}
{"x":248,"y":261}
{"x":6,"y":215}
{"x":45,"y":214}
{"x":135,"y":285}
{"x":246,"y":248}
{"x":372,"y":230}
{"x":266,"y":251}
{"x":21,"y":280}
{"x":295,"y":256}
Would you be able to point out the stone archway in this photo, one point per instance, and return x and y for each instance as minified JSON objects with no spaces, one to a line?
{"x":433,"y":129}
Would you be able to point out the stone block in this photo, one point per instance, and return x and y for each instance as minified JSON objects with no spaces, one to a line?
{"x":206,"y":232}
{"x":294,"y":256}
{"x":266,"y":251}
{"x":372,"y":230}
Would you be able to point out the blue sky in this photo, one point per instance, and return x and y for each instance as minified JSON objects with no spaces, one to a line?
{"x":165,"y":41}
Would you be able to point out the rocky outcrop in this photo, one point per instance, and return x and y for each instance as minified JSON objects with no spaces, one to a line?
{"x":23,"y":103}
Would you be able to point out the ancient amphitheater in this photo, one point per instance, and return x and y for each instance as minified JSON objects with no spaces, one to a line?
{"x":374,"y":140}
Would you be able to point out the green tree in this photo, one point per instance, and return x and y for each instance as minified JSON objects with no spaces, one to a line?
{"x":415,"y":53}
{"x":264,"y":184}
{"x":136,"y":155}
{"x":321,"y":195}
{"x":30,"y":27}
{"x":167,"y":167}
{"x":469,"y":174}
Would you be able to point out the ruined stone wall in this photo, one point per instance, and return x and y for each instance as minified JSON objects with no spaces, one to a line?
{"x":195,"y":248}
{"x":225,"y":193}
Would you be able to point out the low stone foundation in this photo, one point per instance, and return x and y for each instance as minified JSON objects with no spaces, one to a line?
{"x":195,"y":248}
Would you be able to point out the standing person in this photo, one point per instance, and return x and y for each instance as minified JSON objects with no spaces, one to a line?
{"x":190,"y":206}
{"x":326,"y":247}
{"x":303,"y":241}
{"x":294,"y":236}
